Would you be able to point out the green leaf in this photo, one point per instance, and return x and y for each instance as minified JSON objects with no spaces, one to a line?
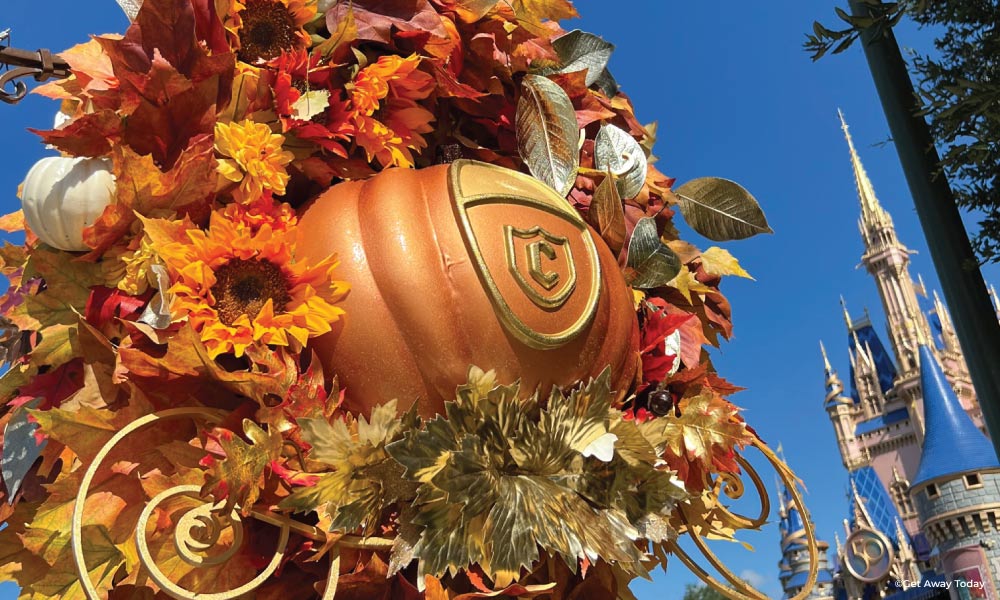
{"x":721,"y":210}
{"x":650,"y":262}
{"x":547,"y":134}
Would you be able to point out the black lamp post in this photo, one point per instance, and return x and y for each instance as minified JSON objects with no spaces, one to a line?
{"x":961,"y":281}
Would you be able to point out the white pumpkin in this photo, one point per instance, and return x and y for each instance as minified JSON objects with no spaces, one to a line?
{"x":62,"y":196}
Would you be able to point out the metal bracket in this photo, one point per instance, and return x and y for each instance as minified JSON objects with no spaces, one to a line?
{"x":41,"y":64}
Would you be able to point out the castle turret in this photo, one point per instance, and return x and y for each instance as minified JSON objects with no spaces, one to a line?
{"x":840,"y":408}
{"x":793,"y":568}
{"x":957,"y":486}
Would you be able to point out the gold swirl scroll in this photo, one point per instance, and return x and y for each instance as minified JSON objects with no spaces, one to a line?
{"x":732,"y":486}
{"x":197,"y":530}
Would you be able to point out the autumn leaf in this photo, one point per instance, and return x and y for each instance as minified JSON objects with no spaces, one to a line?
{"x":64,"y":296}
{"x":375,"y":19}
{"x":702,"y":439}
{"x":718,"y":261}
{"x":531,"y":14}
{"x":12,"y":222}
{"x":187,"y":357}
{"x":92,"y":134}
{"x":686,"y":283}
{"x":238,"y":478}
{"x":144,"y":188}
{"x":470,"y":11}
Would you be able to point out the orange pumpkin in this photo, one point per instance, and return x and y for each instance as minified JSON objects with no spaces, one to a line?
{"x":466,"y":264}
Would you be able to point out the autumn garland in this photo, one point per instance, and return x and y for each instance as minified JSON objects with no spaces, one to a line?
{"x":219,"y":119}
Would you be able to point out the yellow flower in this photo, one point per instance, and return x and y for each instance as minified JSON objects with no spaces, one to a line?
{"x":253,"y":157}
{"x":138,"y":276}
{"x":266,"y":28}
{"x":237,"y":285}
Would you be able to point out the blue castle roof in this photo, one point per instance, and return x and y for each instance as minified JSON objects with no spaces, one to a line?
{"x":952,"y":443}
{"x":876,"y":501}
{"x":883,"y":362}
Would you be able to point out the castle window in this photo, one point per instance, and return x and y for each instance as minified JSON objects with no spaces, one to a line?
{"x":932,"y":491}
{"x":901,"y":495}
{"x":972,"y":480}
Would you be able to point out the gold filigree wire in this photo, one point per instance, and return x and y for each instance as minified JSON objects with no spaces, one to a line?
{"x":200,"y":528}
{"x":739,"y":589}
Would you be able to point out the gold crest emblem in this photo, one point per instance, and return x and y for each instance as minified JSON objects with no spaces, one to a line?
{"x":532,"y":251}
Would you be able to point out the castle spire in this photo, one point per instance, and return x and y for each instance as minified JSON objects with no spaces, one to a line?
{"x":847,"y":315}
{"x":887,"y":260}
{"x":872,"y":213}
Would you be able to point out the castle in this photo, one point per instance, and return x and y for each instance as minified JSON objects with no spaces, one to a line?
{"x":924,"y":480}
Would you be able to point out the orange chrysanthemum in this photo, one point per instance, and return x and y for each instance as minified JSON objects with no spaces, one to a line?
{"x":392,"y":84}
{"x":237,"y":285}
{"x":253,"y":157}
{"x":266,"y":28}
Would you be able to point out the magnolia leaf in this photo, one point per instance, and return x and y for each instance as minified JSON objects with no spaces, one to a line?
{"x":607,"y":84}
{"x":718,"y":261}
{"x":20,"y":448}
{"x":617,"y":151}
{"x":547,"y":133}
{"x":580,"y":51}
{"x":131,"y":7}
{"x":650,"y":262}
{"x":721,"y":210}
{"x":607,"y":216}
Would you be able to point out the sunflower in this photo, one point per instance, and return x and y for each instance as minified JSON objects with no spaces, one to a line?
{"x":266,"y":28}
{"x":237,"y":285}
{"x":252,"y":157}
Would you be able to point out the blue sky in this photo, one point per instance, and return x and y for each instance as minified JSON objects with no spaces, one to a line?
{"x":736,"y":97}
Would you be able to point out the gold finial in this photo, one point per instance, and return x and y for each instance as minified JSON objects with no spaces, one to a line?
{"x":847,"y":315}
{"x":826,"y":360}
{"x":871,"y":211}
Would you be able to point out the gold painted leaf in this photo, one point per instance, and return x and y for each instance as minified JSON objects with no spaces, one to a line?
{"x":615,"y":150}
{"x":502,"y":477}
{"x":607,"y":216}
{"x":718,"y":261}
{"x":364,"y":479}
{"x":547,"y":134}
{"x":721,"y":210}
{"x":650,"y":262}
